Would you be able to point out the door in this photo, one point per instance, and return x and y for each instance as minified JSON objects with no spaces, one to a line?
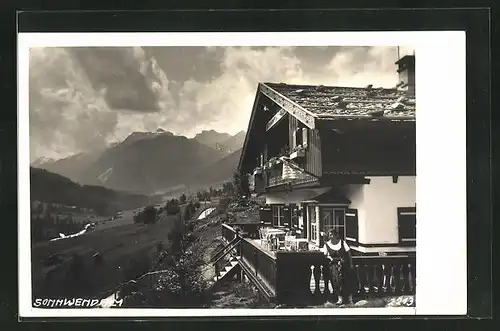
{"x":333,"y":218}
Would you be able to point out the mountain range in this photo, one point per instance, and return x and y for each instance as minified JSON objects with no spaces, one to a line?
{"x":221,"y":141}
{"x":148,"y":162}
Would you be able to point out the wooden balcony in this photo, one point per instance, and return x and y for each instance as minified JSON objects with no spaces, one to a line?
{"x":297,"y":277}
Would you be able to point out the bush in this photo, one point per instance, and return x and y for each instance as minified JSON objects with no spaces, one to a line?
{"x":146,"y":216}
{"x":182,"y":284}
{"x":222,"y":206}
{"x":197,"y":204}
{"x":187,"y":214}
{"x":172,"y":207}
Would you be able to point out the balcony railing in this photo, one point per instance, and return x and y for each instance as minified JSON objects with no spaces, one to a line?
{"x":298,"y":277}
{"x":279,"y":180}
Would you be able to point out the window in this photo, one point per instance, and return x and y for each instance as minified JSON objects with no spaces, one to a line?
{"x":275,"y":210}
{"x":333,"y":219}
{"x":351,"y":225}
{"x":407,"y":224}
{"x":278,"y":215}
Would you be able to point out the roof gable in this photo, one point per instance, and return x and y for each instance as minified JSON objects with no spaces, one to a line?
{"x":328,"y":102}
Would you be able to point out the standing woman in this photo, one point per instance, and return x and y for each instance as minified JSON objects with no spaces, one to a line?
{"x":340,"y":267}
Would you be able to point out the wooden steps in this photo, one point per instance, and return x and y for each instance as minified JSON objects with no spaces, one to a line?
{"x":229,"y":269}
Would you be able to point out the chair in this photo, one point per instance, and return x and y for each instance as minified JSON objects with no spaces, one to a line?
{"x":280,"y":241}
{"x":263,"y":237}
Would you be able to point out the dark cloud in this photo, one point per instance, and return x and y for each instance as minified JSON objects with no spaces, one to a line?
{"x":117,"y":69}
{"x":86,"y":97}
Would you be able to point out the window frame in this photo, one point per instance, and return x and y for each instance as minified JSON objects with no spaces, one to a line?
{"x":341,"y":229}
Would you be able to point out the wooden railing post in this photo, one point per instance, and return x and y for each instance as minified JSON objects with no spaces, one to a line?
{"x":397,"y":278}
{"x":413,"y":277}
{"x":406,"y":278}
{"x":256,"y":261}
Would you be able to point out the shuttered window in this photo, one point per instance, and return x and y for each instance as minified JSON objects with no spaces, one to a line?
{"x":278,"y":215}
{"x":351,"y":225}
{"x":407,"y":224}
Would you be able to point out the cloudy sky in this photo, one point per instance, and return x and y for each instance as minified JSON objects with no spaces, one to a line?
{"x":83,"y":98}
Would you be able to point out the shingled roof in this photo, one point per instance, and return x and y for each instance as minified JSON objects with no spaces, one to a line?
{"x":331,"y":102}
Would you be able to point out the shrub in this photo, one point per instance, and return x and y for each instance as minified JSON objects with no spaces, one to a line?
{"x":187,"y":214}
{"x":146,"y":216}
{"x":172,"y":207}
{"x":197,"y":204}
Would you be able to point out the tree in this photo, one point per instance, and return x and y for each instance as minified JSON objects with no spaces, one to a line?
{"x":228,"y":189}
{"x":149,"y":215}
{"x":146,"y":216}
{"x":191,"y":207}
{"x":187,"y":214}
{"x":182,"y":198}
{"x":241,"y":185}
{"x":172,"y":207}
{"x":184,"y":280}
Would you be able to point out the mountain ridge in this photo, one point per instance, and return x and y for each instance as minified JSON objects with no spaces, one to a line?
{"x":151,"y":161}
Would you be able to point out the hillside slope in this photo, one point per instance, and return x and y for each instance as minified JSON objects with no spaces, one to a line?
{"x":50,"y":187}
{"x":218,"y":172}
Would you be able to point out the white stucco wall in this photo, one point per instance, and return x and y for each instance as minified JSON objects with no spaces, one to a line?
{"x":377,"y":205}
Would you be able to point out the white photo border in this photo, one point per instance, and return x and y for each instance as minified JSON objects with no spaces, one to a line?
{"x":441,"y":162}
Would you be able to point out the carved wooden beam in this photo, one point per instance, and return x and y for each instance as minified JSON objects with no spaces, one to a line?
{"x":291,"y":107}
{"x":276,"y":118}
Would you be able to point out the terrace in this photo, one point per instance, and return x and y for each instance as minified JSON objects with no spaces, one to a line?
{"x":287,"y":275}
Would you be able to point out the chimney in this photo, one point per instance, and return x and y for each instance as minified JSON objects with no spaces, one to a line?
{"x":406,"y":72}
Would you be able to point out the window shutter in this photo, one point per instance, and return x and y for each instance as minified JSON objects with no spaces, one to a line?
{"x":407,"y":224}
{"x":304,"y":136}
{"x":285,"y":210}
{"x":275,"y":210}
{"x":295,"y":216}
{"x":351,"y":225}
{"x":265,"y":215}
